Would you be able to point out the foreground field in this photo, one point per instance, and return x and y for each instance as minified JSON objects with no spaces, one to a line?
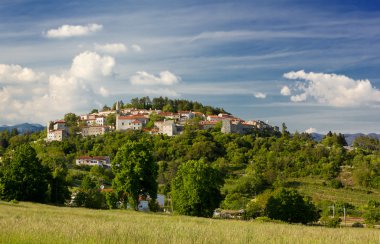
{"x":36,"y":223}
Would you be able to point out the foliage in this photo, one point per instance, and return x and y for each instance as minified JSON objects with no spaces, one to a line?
{"x":196,"y":189}
{"x":290,"y":206}
{"x":135,"y":171}
{"x":372,"y":213}
{"x":332,"y":222}
{"x":22,"y":176}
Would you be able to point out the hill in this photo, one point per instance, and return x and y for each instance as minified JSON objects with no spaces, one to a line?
{"x":37,"y":223}
{"x":23,"y":128}
{"x":349,"y":137}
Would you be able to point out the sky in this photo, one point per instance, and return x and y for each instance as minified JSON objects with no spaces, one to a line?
{"x":314,"y":65}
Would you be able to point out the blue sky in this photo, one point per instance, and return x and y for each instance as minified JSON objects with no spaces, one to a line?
{"x":311,"y":64}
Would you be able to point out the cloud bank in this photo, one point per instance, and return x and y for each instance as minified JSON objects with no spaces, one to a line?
{"x":111,"y":48}
{"x":66,"y":31}
{"x":331,"y":89}
{"x":164,"y":78}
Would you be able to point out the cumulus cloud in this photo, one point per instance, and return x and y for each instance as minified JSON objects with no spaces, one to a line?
{"x":111,"y":48}
{"x":136,"y":48}
{"x":17,"y":74}
{"x":332,"y":89}
{"x":75,"y":90}
{"x":66,"y":31}
{"x":285,"y":91}
{"x":311,"y":130}
{"x":91,"y":66}
{"x":260,"y":95}
{"x":164,"y":78}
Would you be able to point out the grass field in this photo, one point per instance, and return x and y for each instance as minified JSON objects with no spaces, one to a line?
{"x":36,"y":223}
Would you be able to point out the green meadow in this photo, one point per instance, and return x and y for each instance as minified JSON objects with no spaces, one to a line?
{"x":36,"y":223}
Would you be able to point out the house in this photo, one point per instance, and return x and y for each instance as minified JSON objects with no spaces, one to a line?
{"x":56,"y":131}
{"x":131,"y":122}
{"x":169,"y":115}
{"x":185,"y":115}
{"x":94,"y":130}
{"x":166,"y":127}
{"x":101,"y":161}
{"x":205,"y":125}
{"x":56,"y":135}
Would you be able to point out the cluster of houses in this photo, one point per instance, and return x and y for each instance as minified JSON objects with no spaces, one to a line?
{"x":137,"y":119}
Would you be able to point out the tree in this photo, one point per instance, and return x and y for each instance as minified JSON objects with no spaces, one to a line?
{"x":135,"y":172}
{"x":71,"y":119}
{"x":290,"y":206}
{"x":22,"y":176}
{"x":196,"y":189}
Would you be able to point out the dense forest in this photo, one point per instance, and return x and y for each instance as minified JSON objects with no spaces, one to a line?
{"x":199,"y":170}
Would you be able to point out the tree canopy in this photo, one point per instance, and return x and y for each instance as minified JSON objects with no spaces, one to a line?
{"x":196,"y":189}
{"x":135,"y":171}
{"x":22,"y":176}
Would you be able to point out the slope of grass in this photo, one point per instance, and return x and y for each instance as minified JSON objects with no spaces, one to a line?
{"x":315,"y":189}
{"x":36,"y":223}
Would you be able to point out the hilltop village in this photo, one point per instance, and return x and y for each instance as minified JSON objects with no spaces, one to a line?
{"x":153,"y":121}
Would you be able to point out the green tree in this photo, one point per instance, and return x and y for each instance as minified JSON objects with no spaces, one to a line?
{"x":196,"y":189}
{"x":290,"y":206}
{"x":22,"y":176}
{"x":135,"y":171}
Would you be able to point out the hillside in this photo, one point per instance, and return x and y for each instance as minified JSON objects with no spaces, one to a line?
{"x":36,"y":223}
{"x":23,"y":128}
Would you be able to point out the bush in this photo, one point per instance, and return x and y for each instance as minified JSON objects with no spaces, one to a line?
{"x":357,"y":225}
{"x":290,"y":206}
{"x":330,"y":222}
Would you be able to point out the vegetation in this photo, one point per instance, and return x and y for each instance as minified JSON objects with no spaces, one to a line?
{"x":135,"y":172}
{"x":35,"y":223}
{"x":200,"y":169}
{"x":195,"y":189}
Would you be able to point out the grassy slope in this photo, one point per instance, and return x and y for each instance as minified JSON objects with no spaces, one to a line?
{"x":315,"y":189}
{"x":36,"y":223}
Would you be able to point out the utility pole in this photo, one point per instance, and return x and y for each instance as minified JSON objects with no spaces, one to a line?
{"x":344,"y":212}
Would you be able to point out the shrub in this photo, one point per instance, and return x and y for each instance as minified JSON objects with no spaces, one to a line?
{"x":357,"y":225}
{"x":290,"y":206}
{"x":330,"y":222}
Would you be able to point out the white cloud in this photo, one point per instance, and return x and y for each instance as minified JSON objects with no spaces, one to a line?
{"x":75,"y":90}
{"x":162,"y":92}
{"x":285,"y":91}
{"x":164,"y":78}
{"x":311,"y":130}
{"x":136,"y":48}
{"x":334,"y":90}
{"x":92,"y":66}
{"x":260,"y":95}
{"x":111,"y":48}
{"x":17,"y":74}
{"x":66,"y":31}
{"x":103,"y":91}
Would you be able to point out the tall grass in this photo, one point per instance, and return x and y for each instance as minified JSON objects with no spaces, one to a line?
{"x":36,"y":223}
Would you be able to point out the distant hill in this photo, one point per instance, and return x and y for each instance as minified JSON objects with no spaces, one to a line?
{"x":349,"y":137}
{"x":23,"y":128}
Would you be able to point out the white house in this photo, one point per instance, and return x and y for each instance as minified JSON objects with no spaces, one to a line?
{"x":94,"y":130}
{"x":101,"y":161}
{"x":131,"y":122}
{"x":167,"y":127}
{"x":58,"y":132}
